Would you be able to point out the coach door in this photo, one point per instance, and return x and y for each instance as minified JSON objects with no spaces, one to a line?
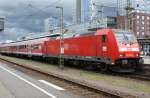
{"x":29,"y":50}
{"x":104,"y":48}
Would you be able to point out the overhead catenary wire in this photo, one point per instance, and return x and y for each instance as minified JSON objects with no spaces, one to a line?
{"x":52,"y":4}
{"x":41,"y":10}
{"x":37,"y":10}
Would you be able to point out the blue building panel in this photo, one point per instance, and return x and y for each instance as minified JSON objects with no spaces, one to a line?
{"x":86,"y":8}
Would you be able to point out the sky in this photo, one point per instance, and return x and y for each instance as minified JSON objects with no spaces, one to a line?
{"x":23,"y":17}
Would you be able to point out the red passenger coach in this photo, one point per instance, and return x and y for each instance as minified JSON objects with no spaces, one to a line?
{"x":103,"y":48}
{"x":30,"y":47}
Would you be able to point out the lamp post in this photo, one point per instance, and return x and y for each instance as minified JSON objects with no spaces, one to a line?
{"x":61,"y":64}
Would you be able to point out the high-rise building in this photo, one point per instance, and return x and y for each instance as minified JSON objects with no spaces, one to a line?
{"x":83,"y":11}
{"x":141,"y":5}
{"x":2,"y":22}
{"x":96,"y":12}
{"x":78,"y":11}
{"x":50,"y":24}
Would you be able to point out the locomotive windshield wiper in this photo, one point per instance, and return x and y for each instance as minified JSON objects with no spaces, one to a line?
{"x":126,"y":38}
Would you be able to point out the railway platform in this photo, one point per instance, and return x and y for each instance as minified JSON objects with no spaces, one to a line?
{"x":5,"y":92}
{"x":146,"y":59}
{"x":119,"y":85}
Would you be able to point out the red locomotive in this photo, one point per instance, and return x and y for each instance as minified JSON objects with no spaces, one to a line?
{"x":105,"y":48}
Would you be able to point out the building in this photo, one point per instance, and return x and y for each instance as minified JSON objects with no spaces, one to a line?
{"x":95,"y":12}
{"x":121,"y":22}
{"x":139,"y":23}
{"x":50,"y":24}
{"x":141,"y":5}
{"x":2,"y":22}
{"x":106,"y":22}
{"x":111,"y":22}
{"x":141,"y":28}
{"x":123,"y":4}
{"x":145,"y":46}
{"x":83,"y":11}
{"x":105,"y":16}
{"x":137,"y":20}
{"x":78,"y":11}
{"x":87,"y":10}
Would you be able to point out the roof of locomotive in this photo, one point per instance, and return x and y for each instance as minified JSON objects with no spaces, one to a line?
{"x":121,"y":30}
{"x":92,"y":31}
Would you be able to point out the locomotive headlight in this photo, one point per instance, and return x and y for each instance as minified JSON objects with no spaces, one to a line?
{"x":137,"y":54}
{"x":121,"y":55}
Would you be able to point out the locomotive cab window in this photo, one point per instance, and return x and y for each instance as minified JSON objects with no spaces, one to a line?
{"x":123,"y":36}
{"x":103,"y":38}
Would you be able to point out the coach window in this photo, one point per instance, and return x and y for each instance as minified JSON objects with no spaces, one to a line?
{"x":36,"y":46}
{"x":103,"y":38}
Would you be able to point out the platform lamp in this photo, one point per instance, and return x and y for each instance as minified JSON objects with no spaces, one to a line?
{"x":61,"y":64}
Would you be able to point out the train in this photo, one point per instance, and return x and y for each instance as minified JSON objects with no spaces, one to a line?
{"x":106,"y":49}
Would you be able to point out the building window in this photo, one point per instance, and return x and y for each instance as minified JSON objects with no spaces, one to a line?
{"x":143,"y":22}
{"x":137,"y":16}
{"x":138,"y":33}
{"x":138,"y":22}
{"x":142,"y":28}
{"x":143,"y":33}
{"x":147,"y":18}
{"x":143,"y":17}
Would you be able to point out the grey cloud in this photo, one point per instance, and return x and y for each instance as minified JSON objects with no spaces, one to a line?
{"x":25,"y":16}
{"x":12,"y":34}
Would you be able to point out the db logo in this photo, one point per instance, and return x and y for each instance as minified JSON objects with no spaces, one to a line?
{"x":104,"y":48}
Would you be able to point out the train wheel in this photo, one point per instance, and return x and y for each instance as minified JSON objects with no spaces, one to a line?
{"x":104,"y":68}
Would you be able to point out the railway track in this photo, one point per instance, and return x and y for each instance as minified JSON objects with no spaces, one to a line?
{"x":140,"y":77}
{"x":79,"y":88}
{"x":136,"y":76}
{"x":142,"y":74}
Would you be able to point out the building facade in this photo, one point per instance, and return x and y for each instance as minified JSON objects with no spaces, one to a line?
{"x":50,"y":24}
{"x":83,"y":11}
{"x":139,"y":23}
{"x":141,"y":27}
{"x":145,"y":46}
{"x":78,"y":11}
{"x":2,"y":22}
{"x":141,"y":5}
